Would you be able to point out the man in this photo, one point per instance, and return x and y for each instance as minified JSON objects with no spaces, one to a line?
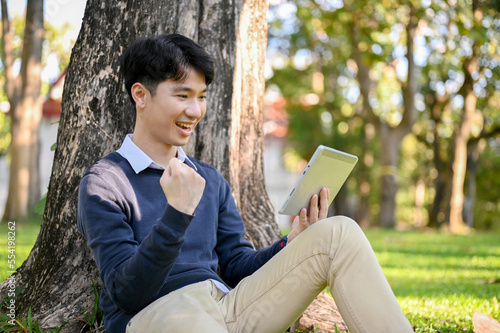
{"x":161,"y":225}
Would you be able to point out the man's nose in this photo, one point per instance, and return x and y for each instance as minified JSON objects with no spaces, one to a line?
{"x":195,"y":108}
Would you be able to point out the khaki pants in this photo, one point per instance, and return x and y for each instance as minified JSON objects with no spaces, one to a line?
{"x":333,"y":252}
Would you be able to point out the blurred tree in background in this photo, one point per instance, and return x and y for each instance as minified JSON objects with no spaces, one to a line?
{"x":23,"y":93}
{"x":20,"y":90}
{"x":412,"y":88}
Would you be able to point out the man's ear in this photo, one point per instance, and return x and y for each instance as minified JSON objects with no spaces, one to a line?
{"x":139,"y":93}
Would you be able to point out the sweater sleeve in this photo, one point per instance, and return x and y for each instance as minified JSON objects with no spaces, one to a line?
{"x":132,"y":273}
{"x":237,"y":257}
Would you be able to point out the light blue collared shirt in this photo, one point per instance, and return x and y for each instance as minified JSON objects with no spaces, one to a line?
{"x":139,"y":160}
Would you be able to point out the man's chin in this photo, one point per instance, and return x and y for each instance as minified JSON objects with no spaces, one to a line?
{"x":185,"y":142}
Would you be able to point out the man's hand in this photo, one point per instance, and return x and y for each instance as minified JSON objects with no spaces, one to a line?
{"x":183,"y":187}
{"x":317,"y":212}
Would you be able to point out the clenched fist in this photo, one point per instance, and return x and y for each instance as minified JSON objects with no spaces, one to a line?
{"x":183,"y":186}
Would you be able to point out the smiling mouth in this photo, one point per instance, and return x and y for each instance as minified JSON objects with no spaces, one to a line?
{"x":187,"y":127}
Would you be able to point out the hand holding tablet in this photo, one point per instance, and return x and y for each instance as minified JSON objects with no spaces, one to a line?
{"x":328,"y":168}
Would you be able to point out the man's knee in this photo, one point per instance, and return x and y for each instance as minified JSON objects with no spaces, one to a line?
{"x":339,"y":227}
{"x":338,"y":222}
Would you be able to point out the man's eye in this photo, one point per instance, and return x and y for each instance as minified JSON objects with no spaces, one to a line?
{"x":182,"y":96}
{"x":203,"y":97}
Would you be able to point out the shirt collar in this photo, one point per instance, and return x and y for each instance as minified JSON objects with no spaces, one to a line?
{"x":140,"y":161}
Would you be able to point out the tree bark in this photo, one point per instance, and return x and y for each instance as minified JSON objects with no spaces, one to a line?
{"x":246,"y":172}
{"x":96,"y":115}
{"x":239,"y":116}
{"x":23,"y":93}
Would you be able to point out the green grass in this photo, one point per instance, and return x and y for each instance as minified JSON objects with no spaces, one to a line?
{"x":25,"y":237}
{"x":440,"y":280}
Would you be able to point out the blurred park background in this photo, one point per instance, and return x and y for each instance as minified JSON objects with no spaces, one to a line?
{"x":410,"y":87}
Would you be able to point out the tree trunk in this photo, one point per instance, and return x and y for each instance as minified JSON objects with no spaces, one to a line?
{"x":96,"y":115}
{"x":246,"y":172}
{"x":390,"y":136}
{"x":341,"y":204}
{"x":473,"y":152}
{"x":437,"y":212}
{"x":26,"y":113}
{"x":363,"y":213}
{"x":475,"y":148}
{"x":390,"y":139}
{"x":462,"y":134}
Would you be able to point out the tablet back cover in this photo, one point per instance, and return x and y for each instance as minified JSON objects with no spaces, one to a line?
{"x":327,"y":168}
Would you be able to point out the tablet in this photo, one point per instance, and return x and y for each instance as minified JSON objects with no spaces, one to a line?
{"x":328,"y":168}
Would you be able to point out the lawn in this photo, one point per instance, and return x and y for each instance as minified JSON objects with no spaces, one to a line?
{"x":440,"y":280}
{"x":25,"y":237}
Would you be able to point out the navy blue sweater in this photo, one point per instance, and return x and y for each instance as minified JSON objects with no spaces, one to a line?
{"x":144,"y":248}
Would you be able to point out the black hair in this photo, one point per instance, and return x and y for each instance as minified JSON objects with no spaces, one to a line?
{"x":151,"y":61}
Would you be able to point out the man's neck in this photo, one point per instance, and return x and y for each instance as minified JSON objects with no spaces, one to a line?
{"x":160,"y":154}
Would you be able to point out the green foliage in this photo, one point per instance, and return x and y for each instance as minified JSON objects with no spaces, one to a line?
{"x":93,"y":317}
{"x":8,"y":324}
{"x":7,"y":299}
{"x":311,"y":51}
{"x":5,"y":135}
{"x":55,"y":41}
{"x":27,"y":325}
{"x":40,"y":205}
{"x":17,"y":28}
{"x":314,"y":329}
{"x":487,"y":206}
{"x":56,"y":44}
{"x":26,"y":234}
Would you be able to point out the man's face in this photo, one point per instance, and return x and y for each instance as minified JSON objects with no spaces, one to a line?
{"x":171,"y":115}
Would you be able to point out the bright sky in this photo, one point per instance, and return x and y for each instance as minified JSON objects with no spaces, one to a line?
{"x":57,"y":12}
